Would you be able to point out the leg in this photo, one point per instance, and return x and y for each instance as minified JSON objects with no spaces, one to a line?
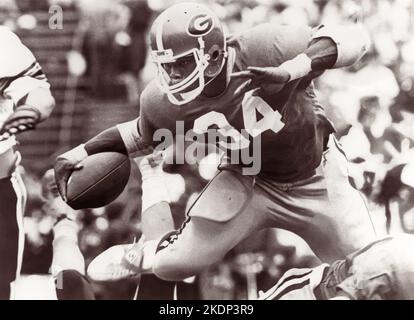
{"x":325,"y":210}
{"x":72,"y":285}
{"x":12,"y":199}
{"x":153,"y":288}
{"x":66,"y":252}
{"x":349,"y":211}
{"x":156,"y":221}
{"x":224,"y":214}
{"x":68,"y":265}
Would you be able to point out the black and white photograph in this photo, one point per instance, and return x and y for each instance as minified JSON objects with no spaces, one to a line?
{"x":225,"y":151}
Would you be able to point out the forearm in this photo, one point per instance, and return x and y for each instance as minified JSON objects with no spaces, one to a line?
{"x":323,"y":54}
{"x":109,"y":140}
{"x":113,"y":139}
{"x":123,"y":138}
{"x":330,"y":47}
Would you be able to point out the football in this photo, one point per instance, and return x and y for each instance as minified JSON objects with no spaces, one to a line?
{"x":101,"y":180}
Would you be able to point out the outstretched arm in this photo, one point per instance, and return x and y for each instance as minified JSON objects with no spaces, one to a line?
{"x":329,"y":47}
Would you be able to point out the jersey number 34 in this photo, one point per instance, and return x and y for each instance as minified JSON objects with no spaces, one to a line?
{"x":272,"y":120}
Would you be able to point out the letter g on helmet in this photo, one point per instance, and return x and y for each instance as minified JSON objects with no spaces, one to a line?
{"x":200,"y":25}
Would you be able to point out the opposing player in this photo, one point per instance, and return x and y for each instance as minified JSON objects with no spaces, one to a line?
{"x":206,"y":82}
{"x":25,"y":100}
{"x":382,"y":270}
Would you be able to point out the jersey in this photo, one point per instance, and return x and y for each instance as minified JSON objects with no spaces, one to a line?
{"x":19,"y":74}
{"x":291,"y":125}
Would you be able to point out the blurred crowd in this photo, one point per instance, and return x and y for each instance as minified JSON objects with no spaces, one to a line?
{"x":371,"y":105}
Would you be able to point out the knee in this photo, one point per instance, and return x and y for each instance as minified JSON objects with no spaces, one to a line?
{"x":171,"y":267}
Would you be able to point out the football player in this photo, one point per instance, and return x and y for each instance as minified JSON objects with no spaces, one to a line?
{"x":25,"y":100}
{"x":382,"y":270}
{"x":207,"y":81}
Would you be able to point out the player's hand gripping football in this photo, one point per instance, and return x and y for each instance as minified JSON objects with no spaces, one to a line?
{"x":65,"y":164}
{"x":24,"y":118}
{"x":267,"y":80}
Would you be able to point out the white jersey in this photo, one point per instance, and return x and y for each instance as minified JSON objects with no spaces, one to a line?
{"x":19,"y":74}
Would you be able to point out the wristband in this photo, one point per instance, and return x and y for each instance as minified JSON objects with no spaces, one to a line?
{"x":298,"y":67}
{"x":77,"y":154}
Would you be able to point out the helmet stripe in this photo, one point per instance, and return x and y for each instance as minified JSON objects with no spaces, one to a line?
{"x":158,"y":33}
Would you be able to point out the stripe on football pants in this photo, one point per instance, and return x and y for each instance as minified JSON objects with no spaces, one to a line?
{"x":290,"y":281}
{"x":20,"y":191}
{"x":290,"y":288}
{"x":13,"y":199}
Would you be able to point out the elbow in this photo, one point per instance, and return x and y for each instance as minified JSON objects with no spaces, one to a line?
{"x":43,"y":100}
{"x":47,"y":105}
{"x":352,"y":42}
{"x":351,"y":51}
{"x":51,"y":104}
{"x":362,"y":42}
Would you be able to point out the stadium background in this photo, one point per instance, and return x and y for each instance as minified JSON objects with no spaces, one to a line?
{"x":97,"y":65}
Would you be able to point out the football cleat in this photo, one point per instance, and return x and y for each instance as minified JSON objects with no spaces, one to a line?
{"x":118,"y":262}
